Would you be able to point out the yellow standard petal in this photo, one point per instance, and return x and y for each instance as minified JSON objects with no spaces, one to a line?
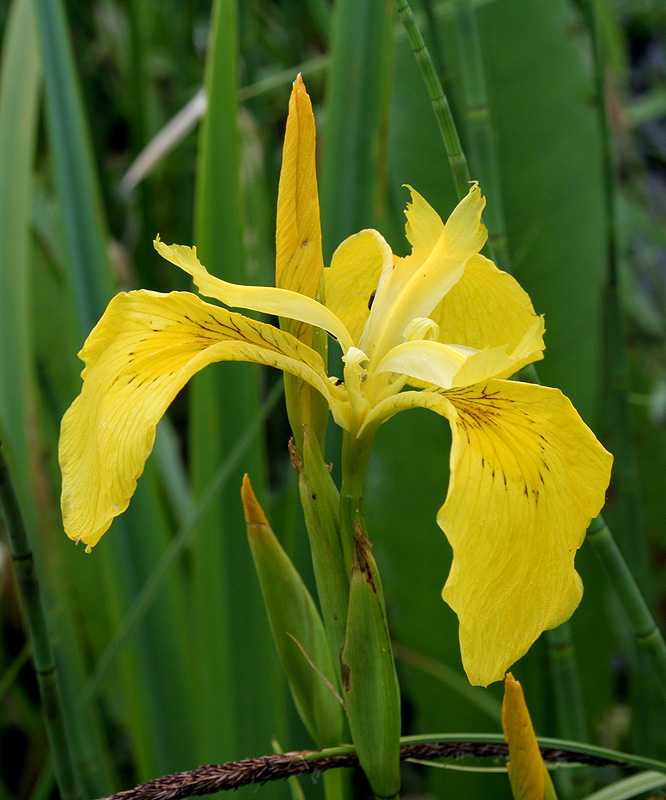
{"x":299,"y":262}
{"x":486,"y":308}
{"x":419,"y":282}
{"x":529,"y":777}
{"x":352,"y":279}
{"x":138,"y":357}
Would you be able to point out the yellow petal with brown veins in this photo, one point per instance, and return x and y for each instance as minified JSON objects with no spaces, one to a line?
{"x":138,"y":357}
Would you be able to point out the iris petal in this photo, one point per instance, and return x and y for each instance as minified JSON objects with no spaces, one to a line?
{"x":266,"y":299}
{"x":138,"y":357}
{"x":351,"y":280}
{"x":527,"y":476}
{"x":486,"y":308}
{"x":419,"y":282}
{"x":298,"y":258}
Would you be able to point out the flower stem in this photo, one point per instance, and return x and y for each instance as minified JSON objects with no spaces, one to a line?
{"x":42,"y":654}
{"x":355,"y":457}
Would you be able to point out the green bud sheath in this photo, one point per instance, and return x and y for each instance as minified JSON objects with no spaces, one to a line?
{"x":369,"y":682}
{"x":321,"y":506}
{"x":297,"y":629}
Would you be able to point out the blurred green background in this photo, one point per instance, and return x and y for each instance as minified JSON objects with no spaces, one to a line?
{"x":160,"y":636}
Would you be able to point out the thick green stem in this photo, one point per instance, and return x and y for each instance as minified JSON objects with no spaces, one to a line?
{"x":42,"y":654}
{"x":355,"y":457}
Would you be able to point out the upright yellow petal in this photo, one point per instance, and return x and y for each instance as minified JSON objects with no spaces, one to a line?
{"x":527,"y":476}
{"x":529,"y":777}
{"x":351,"y":280}
{"x":138,"y":357}
{"x":419,"y":282}
{"x":266,"y":299}
{"x":486,"y":308}
{"x":298,"y":257}
{"x":424,"y":226}
{"x":299,"y":262}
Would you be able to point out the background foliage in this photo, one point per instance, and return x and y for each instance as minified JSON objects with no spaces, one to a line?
{"x":160,"y":636}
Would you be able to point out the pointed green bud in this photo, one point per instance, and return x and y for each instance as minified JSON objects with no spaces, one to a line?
{"x":321,"y":506}
{"x":369,"y":681}
{"x":297,"y":629}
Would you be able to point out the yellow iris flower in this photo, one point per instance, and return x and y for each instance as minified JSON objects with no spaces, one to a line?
{"x":527,"y":475}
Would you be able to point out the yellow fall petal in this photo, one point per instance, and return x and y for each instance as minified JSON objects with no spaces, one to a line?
{"x":530,"y":780}
{"x":527,"y":476}
{"x":486,"y":308}
{"x":266,"y":299}
{"x":138,"y":357}
{"x":356,"y":268}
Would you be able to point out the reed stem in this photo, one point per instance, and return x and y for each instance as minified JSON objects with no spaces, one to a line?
{"x":42,"y":653}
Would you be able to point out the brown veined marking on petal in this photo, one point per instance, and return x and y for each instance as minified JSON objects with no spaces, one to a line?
{"x":480,"y":412}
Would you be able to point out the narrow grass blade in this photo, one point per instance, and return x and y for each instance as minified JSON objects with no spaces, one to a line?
{"x":646,"y":632}
{"x":73,"y":167}
{"x":235,"y":653}
{"x":631,"y":787}
{"x":19,"y":93}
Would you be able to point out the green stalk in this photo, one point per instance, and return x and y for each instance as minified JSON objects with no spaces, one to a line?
{"x":42,"y":654}
{"x":645,"y":630}
{"x":479,"y":129}
{"x":369,"y":680}
{"x":355,"y":457}
{"x":569,"y":708}
{"x":628,"y":516}
{"x":440,"y":103}
{"x":568,"y":700}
